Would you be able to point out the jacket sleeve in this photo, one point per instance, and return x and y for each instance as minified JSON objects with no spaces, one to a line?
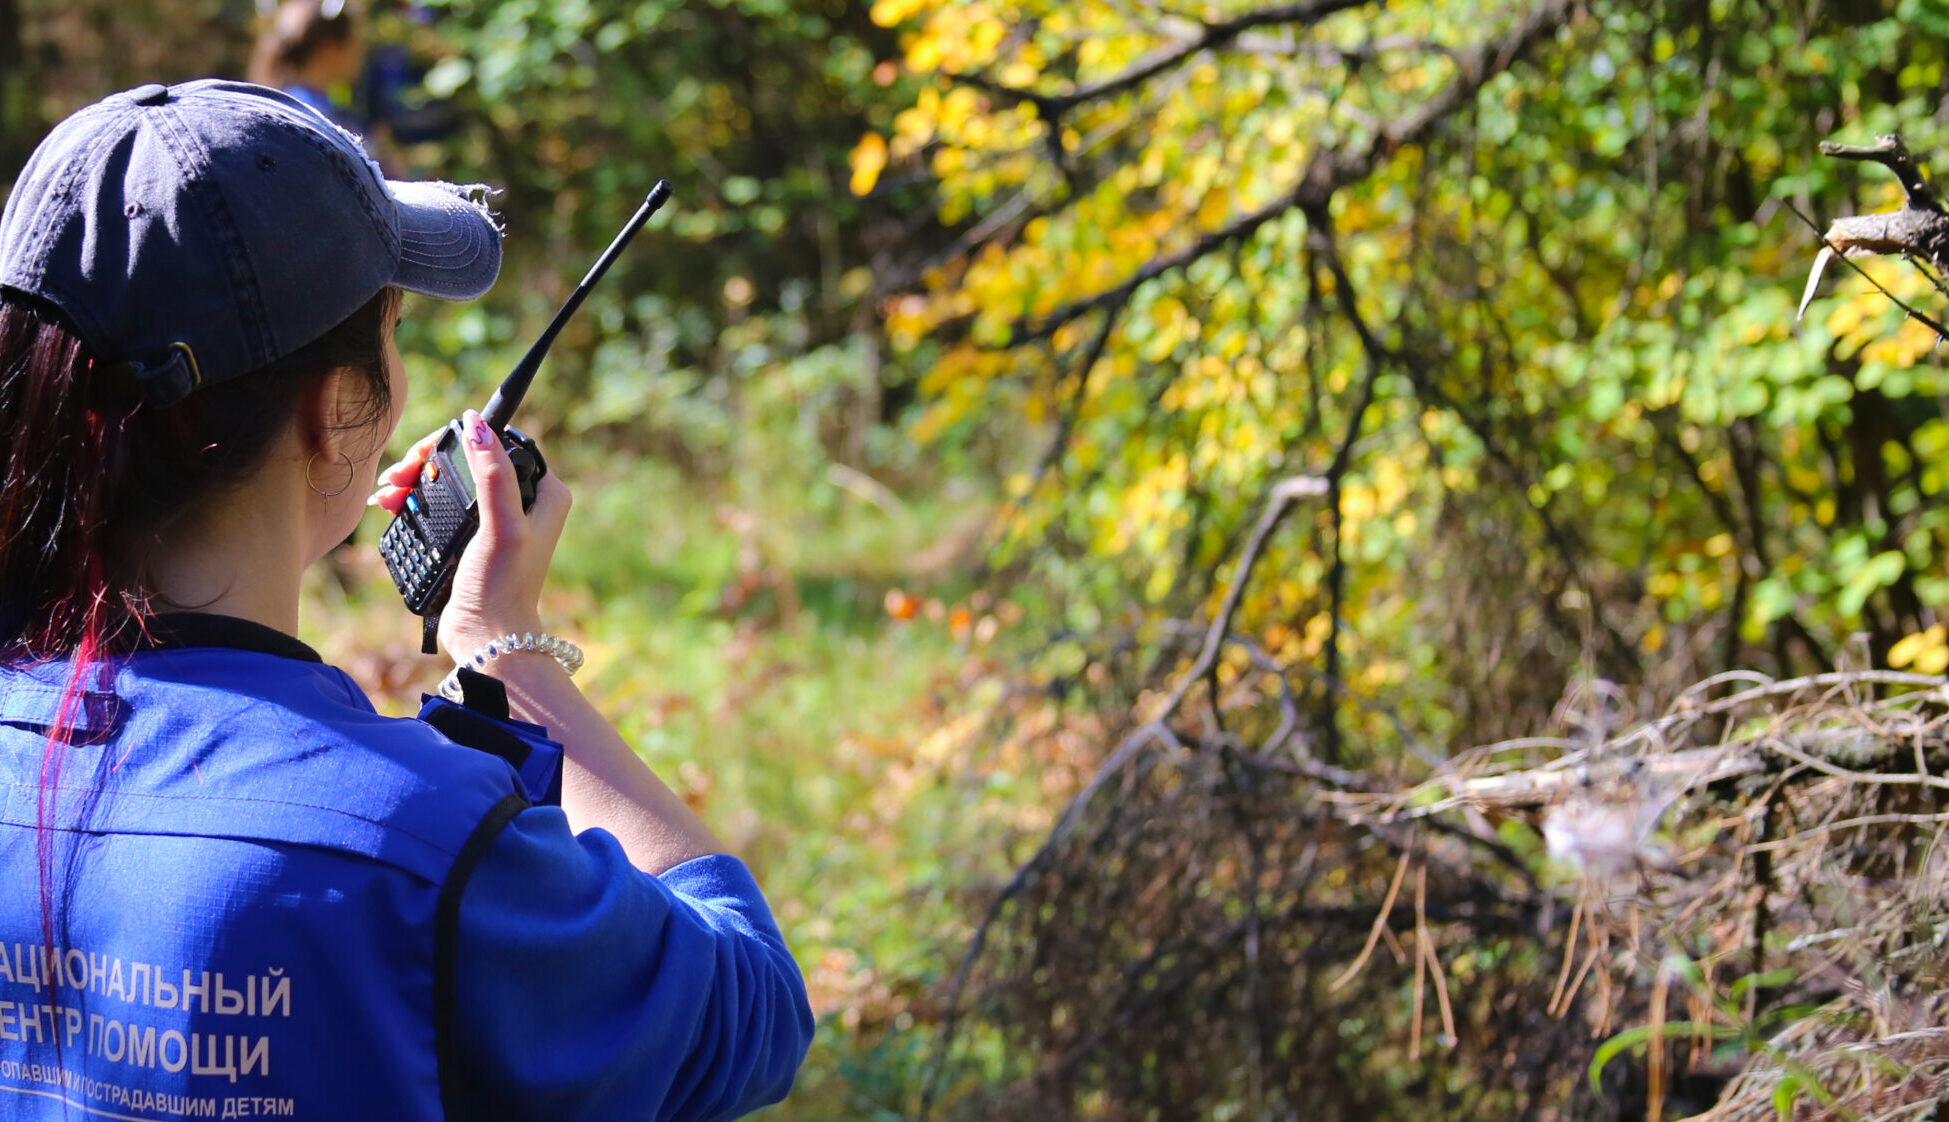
{"x":587,"y":989}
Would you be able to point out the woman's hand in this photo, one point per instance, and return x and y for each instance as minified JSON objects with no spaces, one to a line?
{"x":497,"y":587}
{"x":495,"y":591}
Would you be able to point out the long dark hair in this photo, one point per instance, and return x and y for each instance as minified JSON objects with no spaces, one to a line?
{"x":91,"y":474}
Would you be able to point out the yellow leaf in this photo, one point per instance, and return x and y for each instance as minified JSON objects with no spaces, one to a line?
{"x":869,"y":159}
{"x":1848,"y":316}
{"x":1021,"y":74}
{"x":924,"y":55}
{"x":887,"y":13}
{"x":1911,"y":343}
{"x":1913,"y":648}
{"x":1357,"y":503}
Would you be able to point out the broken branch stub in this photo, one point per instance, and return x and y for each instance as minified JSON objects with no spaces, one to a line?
{"x":1920,"y":228}
{"x":1891,"y":153}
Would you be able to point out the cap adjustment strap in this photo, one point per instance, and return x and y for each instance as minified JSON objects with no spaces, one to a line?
{"x":171,"y":380}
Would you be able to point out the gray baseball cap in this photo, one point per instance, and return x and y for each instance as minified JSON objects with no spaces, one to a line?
{"x":201,"y":231}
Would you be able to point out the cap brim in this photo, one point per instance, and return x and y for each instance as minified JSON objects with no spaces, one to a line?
{"x":450,"y":247}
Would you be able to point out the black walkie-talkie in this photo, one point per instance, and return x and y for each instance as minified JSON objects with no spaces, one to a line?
{"x":423,"y":543}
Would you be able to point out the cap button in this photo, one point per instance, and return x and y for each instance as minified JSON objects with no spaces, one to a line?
{"x":155,"y":93}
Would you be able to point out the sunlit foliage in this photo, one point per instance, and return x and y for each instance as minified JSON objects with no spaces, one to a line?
{"x":1517,"y":277}
{"x":1515,"y":280}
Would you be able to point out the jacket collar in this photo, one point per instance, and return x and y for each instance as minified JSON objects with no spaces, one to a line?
{"x":178,"y":630}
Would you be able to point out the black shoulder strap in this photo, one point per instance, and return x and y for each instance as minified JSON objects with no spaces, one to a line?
{"x":460,"y":1095}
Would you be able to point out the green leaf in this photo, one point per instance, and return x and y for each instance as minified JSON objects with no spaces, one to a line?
{"x":1768,"y":980}
{"x":1636,"y":1037}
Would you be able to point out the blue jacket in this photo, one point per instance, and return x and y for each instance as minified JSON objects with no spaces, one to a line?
{"x":267,"y":899}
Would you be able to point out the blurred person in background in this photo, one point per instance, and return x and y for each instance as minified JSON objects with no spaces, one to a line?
{"x":312,"y":50}
{"x":233,"y":887}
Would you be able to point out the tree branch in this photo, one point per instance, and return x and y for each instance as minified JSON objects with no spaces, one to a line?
{"x":1283,"y":494}
{"x":1155,"y":729}
{"x":1891,"y":153}
{"x":1051,"y":107}
{"x":1327,"y":171}
{"x":1847,"y":238}
{"x":1322,"y":223}
{"x":1066,"y":424}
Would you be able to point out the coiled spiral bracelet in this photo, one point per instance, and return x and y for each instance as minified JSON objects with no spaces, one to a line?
{"x":561,"y":650}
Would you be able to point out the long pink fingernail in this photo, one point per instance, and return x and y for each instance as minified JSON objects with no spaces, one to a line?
{"x":478,"y":432}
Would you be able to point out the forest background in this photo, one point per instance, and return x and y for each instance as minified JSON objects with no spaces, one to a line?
{"x":1053,"y":458}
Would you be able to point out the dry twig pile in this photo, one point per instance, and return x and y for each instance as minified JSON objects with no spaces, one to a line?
{"x":1733,"y":911}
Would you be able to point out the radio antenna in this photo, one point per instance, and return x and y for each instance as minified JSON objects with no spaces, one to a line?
{"x":500,"y":408}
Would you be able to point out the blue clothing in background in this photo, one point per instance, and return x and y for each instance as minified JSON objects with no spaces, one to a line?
{"x":318,"y":100}
{"x":394,"y":95}
{"x":268,"y":899}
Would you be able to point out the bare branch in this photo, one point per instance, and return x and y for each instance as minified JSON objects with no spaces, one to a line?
{"x":1066,"y":425}
{"x":1329,"y":170}
{"x":1283,"y":494}
{"x":1051,"y":107}
{"x":1830,"y":248}
{"x":1891,"y":153}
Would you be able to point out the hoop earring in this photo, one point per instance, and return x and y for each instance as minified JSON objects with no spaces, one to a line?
{"x":350,"y":470}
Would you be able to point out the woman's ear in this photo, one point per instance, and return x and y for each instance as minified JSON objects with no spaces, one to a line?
{"x":333,"y":414}
{"x":316,"y":419}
